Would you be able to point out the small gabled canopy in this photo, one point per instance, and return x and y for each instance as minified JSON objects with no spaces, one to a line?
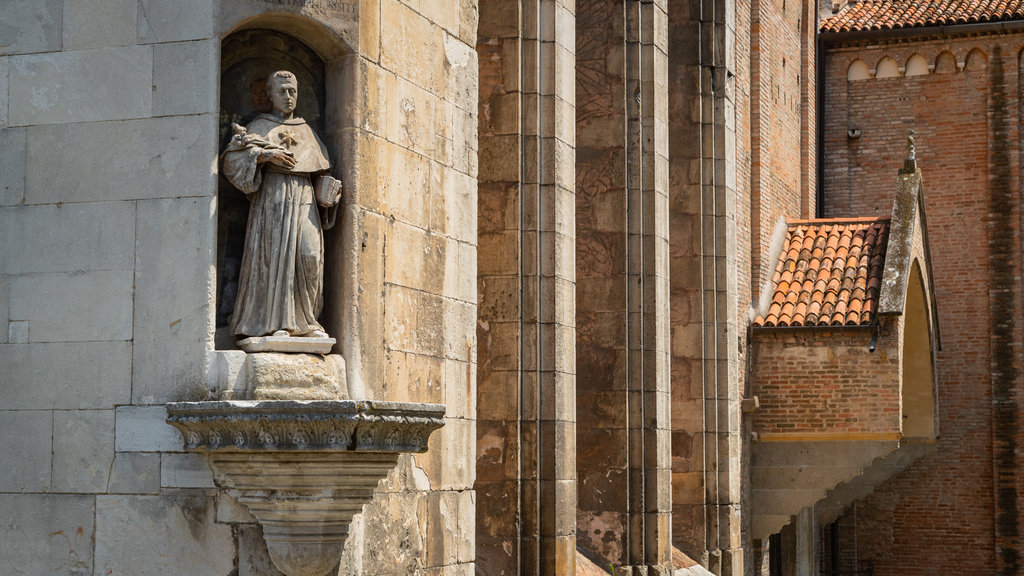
{"x":828,"y":274}
{"x":848,"y":272}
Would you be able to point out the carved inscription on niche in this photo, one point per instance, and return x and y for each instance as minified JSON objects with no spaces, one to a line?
{"x":327,"y":5}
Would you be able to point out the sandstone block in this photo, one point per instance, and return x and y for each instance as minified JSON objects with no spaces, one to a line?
{"x":411,"y":116}
{"x":460,"y":58}
{"x":273,"y":376}
{"x":414,"y":258}
{"x":161,"y":21}
{"x":81,"y":86}
{"x":185,"y":77}
{"x":99,"y":23}
{"x":411,"y":45}
{"x":173,"y":284}
{"x":74,"y":375}
{"x":414,"y":321}
{"x":450,"y":528}
{"x":405,"y":180}
{"x":12,"y":154}
{"x":28,"y":435}
{"x":46,"y":534}
{"x":414,"y":378}
{"x":153,"y":535}
{"x":74,"y":306}
{"x":83,"y":450}
{"x":456,"y":214}
{"x":459,"y":330}
{"x":144,"y":429}
{"x":445,"y":469}
{"x":30,"y":26}
{"x":369,"y":29}
{"x":135,"y":473}
{"x":151,"y":158}
{"x":185,"y":471}
{"x":70,"y":237}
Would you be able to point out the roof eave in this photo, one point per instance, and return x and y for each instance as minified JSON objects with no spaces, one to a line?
{"x":944,"y":30}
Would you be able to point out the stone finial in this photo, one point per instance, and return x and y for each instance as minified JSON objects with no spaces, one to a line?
{"x":910,"y":163}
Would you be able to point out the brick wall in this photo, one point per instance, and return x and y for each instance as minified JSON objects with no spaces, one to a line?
{"x":940,"y":513}
{"x":815,"y":381}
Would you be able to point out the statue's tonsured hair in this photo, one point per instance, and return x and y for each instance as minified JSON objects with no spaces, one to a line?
{"x":280,"y":75}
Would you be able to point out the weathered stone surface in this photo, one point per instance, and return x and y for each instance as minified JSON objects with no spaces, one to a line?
{"x":144,"y":429}
{"x":46,"y":534}
{"x":99,"y":23}
{"x":74,"y":306}
{"x":4,"y":67}
{"x":173,"y":289}
{"x":225,"y":374}
{"x":451,"y":528}
{"x":295,"y":376}
{"x":30,"y":26}
{"x":291,"y":344}
{"x":69,"y":237}
{"x":135,"y":473}
{"x":231,"y":511}
{"x":411,"y":46}
{"x":185,"y":471}
{"x":28,"y":438}
{"x":17,"y":330}
{"x":160,"y":535}
{"x":185,"y":76}
{"x":83,"y":450}
{"x":152,"y":158}
{"x":161,"y":21}
{"x":253,"y":558}
{"x":81,"y":86}
{"x":459,"y":59}
{"x":5,"y":326}
{"x":74,"y":375}
{"x":12,"y":156}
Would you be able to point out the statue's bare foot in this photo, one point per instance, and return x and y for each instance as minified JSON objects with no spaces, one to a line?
{"x":280,"y":334}
{"x":317,"y":334}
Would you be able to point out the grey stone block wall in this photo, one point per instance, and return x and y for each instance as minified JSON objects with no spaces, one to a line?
{"x":108,"y":142}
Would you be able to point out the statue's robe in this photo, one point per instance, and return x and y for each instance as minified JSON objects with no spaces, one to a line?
{"x":280,"y":284}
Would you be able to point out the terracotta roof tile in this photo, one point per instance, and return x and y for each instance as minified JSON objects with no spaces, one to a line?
{"x":833,"y":290}
{"x":890,"y":14}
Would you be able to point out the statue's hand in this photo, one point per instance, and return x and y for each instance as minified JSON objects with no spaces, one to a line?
{"x":278,"y":157}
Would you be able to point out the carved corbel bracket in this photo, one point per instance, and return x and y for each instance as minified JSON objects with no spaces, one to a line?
{"x":304,"y":468}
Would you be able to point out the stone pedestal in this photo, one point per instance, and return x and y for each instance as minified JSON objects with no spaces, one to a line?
{"x":276,"y":376}
{"x":304,"y":468}
{"x":290,"y":344}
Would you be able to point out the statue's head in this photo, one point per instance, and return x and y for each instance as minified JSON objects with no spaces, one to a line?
{"x":283,"y":89}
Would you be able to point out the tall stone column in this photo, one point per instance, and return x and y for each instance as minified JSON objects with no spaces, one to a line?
{"x":526,"y":454}
{"x":622,"y":277}
{"x":707,"y":446}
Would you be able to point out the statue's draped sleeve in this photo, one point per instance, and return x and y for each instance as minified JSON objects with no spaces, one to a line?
{"x":241,"y":167}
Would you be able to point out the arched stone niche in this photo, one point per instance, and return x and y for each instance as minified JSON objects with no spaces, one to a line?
{"x":247,"y":58}
{"x":318,"y":40}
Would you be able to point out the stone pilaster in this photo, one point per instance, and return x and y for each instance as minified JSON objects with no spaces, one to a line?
{"x":622,"y":223}
{"x":526,"y":457}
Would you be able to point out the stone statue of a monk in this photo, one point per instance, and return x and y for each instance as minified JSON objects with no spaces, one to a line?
{"x":275,"y":161}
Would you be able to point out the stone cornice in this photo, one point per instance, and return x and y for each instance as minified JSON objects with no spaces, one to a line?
{"x":319,"y":425}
